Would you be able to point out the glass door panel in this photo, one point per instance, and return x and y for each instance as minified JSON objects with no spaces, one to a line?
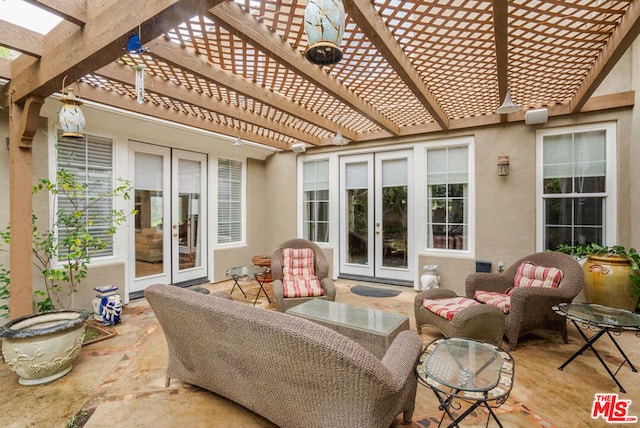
{"x":356,"y":254}
{"x":189,"y":172}
{"x":392,"y":215}
{"x":151,"y":183}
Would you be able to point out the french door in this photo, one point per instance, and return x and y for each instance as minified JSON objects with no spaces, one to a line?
{"x":375,"y":215}
{"x":170,"y":225}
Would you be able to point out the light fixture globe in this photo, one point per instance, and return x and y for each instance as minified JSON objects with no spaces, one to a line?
{"x":71,"y":118}
{"x":324,"y":25}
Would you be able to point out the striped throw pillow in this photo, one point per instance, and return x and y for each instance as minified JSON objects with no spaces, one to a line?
{"x":530,"y":275}
{"x":298,"y":273}
{"x":448,"y":307}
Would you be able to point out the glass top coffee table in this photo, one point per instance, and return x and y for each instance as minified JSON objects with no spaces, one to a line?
{"x":467,"y":370}
{"x":603,"y":320}
{"x":259,"y":273}
{"x":373,"y":329}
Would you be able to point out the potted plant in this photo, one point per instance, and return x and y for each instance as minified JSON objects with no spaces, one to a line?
{"x":41,"y":347}
{"x":611,"y":274}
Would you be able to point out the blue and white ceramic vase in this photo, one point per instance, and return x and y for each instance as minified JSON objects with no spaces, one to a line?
{"x":107,"y":305}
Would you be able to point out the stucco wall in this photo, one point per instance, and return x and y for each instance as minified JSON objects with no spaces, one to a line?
{"x":258,"y":222}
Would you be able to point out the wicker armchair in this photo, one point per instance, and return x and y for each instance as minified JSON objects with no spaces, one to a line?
{"x":531,"y":306}
{"x":321,"y":268}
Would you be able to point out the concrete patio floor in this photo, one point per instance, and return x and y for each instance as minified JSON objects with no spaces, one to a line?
{"x":120,"y":381}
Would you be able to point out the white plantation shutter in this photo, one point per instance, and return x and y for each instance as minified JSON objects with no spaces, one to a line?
{"x":229,"y":201}
{"x":581,"y":154}
{"x":90,"y":160}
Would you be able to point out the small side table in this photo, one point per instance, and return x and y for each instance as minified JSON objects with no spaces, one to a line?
{"x":467,"y":370}
{"x":602,"y":320}
{"x":259,"y":273}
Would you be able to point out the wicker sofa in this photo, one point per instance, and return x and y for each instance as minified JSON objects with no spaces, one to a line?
{"x":289,"y":370}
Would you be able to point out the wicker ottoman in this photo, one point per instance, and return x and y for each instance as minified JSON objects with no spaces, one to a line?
{"x":480,"y":322}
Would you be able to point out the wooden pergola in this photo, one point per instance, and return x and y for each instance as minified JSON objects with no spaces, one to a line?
{"x":237,"y":68}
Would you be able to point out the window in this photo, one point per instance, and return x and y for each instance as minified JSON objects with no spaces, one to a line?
{"x":229,"y":201}
{"x":448,"y":198}
{"x":315,"y":219}
{"x":90,"y":160}
{"x":576,"y":186}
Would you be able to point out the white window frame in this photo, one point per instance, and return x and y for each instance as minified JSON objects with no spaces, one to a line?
{"x":610,"y":193}
{"x":422,"y":200}
{"x":304,"y":221}
{"x":243,"y":192}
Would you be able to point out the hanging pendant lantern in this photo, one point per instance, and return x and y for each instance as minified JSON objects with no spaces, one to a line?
{"x":508,"y":106}
{"x":71,"y":118}
{"x":324,"y":23}
{"x":139,"y":83}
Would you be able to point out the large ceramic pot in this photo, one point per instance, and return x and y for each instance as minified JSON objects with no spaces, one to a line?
{"x":40,"y":347}
{"x":607,"y":282}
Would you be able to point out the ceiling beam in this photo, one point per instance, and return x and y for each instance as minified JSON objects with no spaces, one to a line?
{"x":620,"y":40}
{"x":242,"y":25}
{"x":20,"y":39}
{"x":187,"y":60}
{"x":372,"y":25}
{"x":162,"y":87}
{"x":5,"y":70}
{"x":74,"y":11}
{"x":111,"y":98}
{"x":74,"y":52}
{"x":500,"y":25}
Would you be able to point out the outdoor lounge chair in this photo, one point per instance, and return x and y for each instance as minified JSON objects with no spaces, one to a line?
{"x":529,"y":307}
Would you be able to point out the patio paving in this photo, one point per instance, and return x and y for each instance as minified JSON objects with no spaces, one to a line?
{"x":120,"y":381}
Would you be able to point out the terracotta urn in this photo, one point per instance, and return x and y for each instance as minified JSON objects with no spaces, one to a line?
{"x":263,"y":260}
{"x":607,"y":282}
{"x":41,"y":347}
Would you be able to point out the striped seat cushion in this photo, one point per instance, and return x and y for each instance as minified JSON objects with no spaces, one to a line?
{"x":502,"y":301}
{"x":298,"y":273}
{"x":448,"y":307}
{"x":530,"y":275}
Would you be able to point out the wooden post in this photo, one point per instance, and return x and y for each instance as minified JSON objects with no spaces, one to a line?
{"x":23,"y":124}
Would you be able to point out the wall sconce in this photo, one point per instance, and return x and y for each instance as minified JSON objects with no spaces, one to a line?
{"x":71,"y":118}
{"x":324,"y":24}
{"x":503,"y":165}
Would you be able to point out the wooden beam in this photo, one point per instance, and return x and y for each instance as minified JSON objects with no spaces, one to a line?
{"x":372,"y":25}
{"x":610,"y":101}
{"x":620,"y":40}
{"x":125,"y":74}
{"x":595,"y":104}
{"x":124,"y":102}
{"x":5,"y":73}
{"x":242,"y":25}
{"x":187,"y":60}
{"x":500,"y":29}
{"x":20,"y":39}
{"x":23,"y":124}
{"x":74,"y":52}
{"x":74,"y":11}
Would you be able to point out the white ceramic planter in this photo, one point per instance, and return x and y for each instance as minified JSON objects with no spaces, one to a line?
{"x":41,"y":347}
